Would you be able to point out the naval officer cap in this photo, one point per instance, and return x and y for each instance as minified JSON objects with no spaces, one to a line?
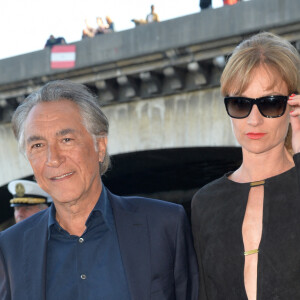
{"x":27,"y":192}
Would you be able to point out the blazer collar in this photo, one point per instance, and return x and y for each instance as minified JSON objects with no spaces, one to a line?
{"x":133,"y":236}
{"x":34,"y":262}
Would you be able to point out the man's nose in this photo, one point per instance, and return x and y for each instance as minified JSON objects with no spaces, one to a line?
{"x":54,"y":156}
{"x":255,"y":118}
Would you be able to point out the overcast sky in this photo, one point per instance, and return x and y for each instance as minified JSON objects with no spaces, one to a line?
{"x":27,"y":24}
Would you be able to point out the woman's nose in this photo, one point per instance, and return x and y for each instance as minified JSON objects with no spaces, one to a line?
{"x":255,"y":118}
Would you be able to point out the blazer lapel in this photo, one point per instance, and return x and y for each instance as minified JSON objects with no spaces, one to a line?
{"x":133,"y":236}
{"x":34,"y":262}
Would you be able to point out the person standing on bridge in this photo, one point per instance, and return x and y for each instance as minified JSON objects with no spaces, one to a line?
{"x":246,"y":225}
{"x":230,"y":2}
{"x":91,"y":244}
{"x":204,"y":4}
{"x":152,"y":16}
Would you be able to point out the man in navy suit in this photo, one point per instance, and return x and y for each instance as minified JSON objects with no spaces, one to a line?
{"x":90,"y":244}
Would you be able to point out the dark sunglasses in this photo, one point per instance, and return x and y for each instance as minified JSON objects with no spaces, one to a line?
{"x":268,"y":106}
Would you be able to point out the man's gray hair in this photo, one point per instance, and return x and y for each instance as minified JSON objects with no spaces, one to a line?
{"x":94,"y":120}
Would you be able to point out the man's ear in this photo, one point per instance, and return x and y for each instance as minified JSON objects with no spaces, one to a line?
{"x":102,"y":144}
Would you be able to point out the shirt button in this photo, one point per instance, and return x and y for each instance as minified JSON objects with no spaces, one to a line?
{"x":83,"y":276}
{"x":81,"y":240}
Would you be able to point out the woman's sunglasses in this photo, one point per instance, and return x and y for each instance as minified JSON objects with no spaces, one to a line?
{"x":268,"y":106}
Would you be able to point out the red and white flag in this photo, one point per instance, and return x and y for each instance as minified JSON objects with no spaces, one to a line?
{"x":63,"y":56}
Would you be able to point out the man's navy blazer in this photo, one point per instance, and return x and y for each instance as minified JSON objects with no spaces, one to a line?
{"x":155,"y":244}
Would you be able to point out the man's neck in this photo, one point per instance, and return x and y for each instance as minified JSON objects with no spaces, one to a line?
{"x":73,"y":216}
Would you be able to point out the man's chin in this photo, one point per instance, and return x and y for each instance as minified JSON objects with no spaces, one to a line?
{"x":64,"y":199}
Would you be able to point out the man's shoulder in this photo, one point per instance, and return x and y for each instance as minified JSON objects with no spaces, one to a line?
{"x":162,"y":215}
{"x":148,"y":205}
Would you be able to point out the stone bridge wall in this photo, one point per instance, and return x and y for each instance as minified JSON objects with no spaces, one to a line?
{"x":185,"y":120}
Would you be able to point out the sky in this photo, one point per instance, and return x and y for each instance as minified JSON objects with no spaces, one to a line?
{"x":27,"y":24}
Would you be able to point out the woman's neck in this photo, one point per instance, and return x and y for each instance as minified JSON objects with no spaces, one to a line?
{"x":260,"y":166}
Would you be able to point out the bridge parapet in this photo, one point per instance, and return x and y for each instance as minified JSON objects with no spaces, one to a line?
{"x":153,"y":60}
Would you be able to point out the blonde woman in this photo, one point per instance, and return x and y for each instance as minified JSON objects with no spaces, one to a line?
{"x":246,"y":224}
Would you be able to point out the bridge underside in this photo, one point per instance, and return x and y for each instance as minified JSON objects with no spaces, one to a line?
{"x":168,"y":174}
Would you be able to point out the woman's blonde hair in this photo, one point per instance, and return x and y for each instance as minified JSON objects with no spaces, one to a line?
{"x":265,"y":49}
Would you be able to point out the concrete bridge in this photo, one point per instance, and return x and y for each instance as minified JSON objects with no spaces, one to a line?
{"x":159,"y":86}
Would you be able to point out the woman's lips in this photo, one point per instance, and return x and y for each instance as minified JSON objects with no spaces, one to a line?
{"x":255,"y":135}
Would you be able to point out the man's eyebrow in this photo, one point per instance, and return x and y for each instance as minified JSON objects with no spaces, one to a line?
{"x":34,"y":138}
{"x":65,"y":132}
{"x":62,"y":132}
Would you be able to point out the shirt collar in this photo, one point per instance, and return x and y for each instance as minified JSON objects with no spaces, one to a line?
{"x":103,"y":206}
